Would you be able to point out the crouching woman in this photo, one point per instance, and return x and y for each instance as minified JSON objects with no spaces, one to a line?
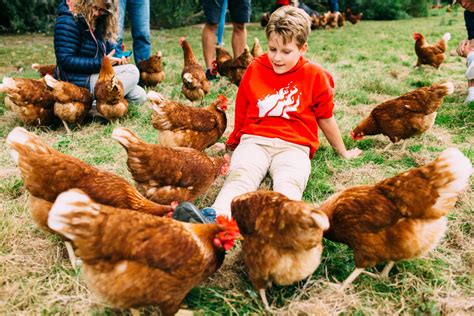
{"x":84,"y":34}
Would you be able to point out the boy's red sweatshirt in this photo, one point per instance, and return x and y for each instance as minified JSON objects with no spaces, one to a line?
{"x":284,"y":106}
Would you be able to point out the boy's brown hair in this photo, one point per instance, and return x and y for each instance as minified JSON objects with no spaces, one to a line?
{"x":290,"y":23}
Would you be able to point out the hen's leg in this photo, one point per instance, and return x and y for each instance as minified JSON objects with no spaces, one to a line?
{"x":351,"y":278}
{"x":66,"y":127}
{"x":386,"y":269}
{"x":404,"y":144}
{"x":263,"y":295}
{"x":135,"y":312}
{"x":72,"y":256}
{"x":388,"y":146}
{"x":384,"y":273}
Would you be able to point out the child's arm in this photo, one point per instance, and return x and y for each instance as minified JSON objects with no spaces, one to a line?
{"x":333,"y":135}
{"x":240,"y":113}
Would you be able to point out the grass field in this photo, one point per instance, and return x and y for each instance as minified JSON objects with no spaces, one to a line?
{"x":371,"y":62}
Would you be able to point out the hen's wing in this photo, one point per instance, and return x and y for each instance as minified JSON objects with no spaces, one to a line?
{"x":166,"y":174}
{"x":170,"y":115}
{"x":428,"y":192}
{"x":272,"y":216}
{"x":47,"y":172}
{"x":68,"y":92}
{"x":106,"y":233}
{"x":427,"y":100}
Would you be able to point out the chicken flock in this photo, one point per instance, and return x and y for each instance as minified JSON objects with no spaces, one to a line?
{"x":134,"y":254}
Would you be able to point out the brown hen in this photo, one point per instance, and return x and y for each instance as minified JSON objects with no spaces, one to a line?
{"x":400,"y":217}
{"x":410,"y":114}
{"x":256,"y":50}
{"x":151,"y":70}
{"x":164,"y":174}
{"x":72,"y":102}
{"x":132,"y":259}
{"x":44,"y":69}
{"x":432,"y":55}
{"x":224,"y":60}
{"x":30,"y":99}
{"x":353,"y":18}
{"x":47,"y":172}
{"x":282,"y":238}
{"x":109,"y":93}
{"x":180,"y":125}
{"x":239,"y":66}
{"x":195,"y":84}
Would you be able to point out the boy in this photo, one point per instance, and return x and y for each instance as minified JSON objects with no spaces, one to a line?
{"x":281,"y":101}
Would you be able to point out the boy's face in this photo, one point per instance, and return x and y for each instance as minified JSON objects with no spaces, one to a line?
{"x":284,"y":57}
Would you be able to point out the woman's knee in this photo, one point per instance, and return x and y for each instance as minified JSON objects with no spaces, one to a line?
{"x":137,"y":95}
{"x":131,"y":72}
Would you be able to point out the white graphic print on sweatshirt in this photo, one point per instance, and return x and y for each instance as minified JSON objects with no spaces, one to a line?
{"x":285,"y":100}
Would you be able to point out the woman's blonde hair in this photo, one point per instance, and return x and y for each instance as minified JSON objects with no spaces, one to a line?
{"x":110,"y":25}
{"x":290,"y":23}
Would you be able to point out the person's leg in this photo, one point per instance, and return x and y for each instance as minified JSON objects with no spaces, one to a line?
{"x":121,"y":24}
{"x":248,"y":167}
{"x":334,"y":5}
{"x":129,"y":76}
{"x":240,"y":13}
{"x":139,"y":15}
{"x":92,"y":81}
{"x":290,"y":170}
{"x":212,"y":12}
{"x":209,"y":43}
{"x":469,"y":21}
{"x":239,"y":38}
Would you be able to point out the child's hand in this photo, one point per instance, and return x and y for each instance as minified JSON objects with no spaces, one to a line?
{"x":464,"y":48}
{"x":352,"y":153}
{"x":117,"y":61}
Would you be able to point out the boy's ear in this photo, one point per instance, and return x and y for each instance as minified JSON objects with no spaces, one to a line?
{"x":304,"y":48}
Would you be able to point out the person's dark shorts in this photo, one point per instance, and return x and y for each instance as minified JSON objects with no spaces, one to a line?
{"x":469,"y":20}
{"x":239,"y":10}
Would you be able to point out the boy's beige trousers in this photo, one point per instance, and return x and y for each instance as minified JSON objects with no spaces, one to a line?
{"x":287,"y":163}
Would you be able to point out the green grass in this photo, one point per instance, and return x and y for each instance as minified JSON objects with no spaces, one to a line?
{"x":371,"y":62}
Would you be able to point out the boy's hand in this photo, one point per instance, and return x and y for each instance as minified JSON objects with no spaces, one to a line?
{"x":352,"y":153}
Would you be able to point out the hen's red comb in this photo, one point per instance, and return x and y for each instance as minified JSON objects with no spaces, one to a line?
{"x":181,"y":40}
{"x":222,"y":98}
{"x":229,"y":224}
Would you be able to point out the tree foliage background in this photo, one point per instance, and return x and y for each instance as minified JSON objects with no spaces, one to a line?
{"x":19,"y":16}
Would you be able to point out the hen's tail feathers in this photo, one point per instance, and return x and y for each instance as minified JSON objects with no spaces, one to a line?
{"x":71,"y":214}
{"x":125,"y":136}
{"x":449,"y":86}
{"x":155,"y":97}
{"x":456,"y":168}
{"x":20,"y":138}
{"x":447,"y":36}
{"x":452,"y":172}
{"x":188,"y":77}
{"x":50,"y":81}
{"x":7,"y":84}
{"x":321,"y":220}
